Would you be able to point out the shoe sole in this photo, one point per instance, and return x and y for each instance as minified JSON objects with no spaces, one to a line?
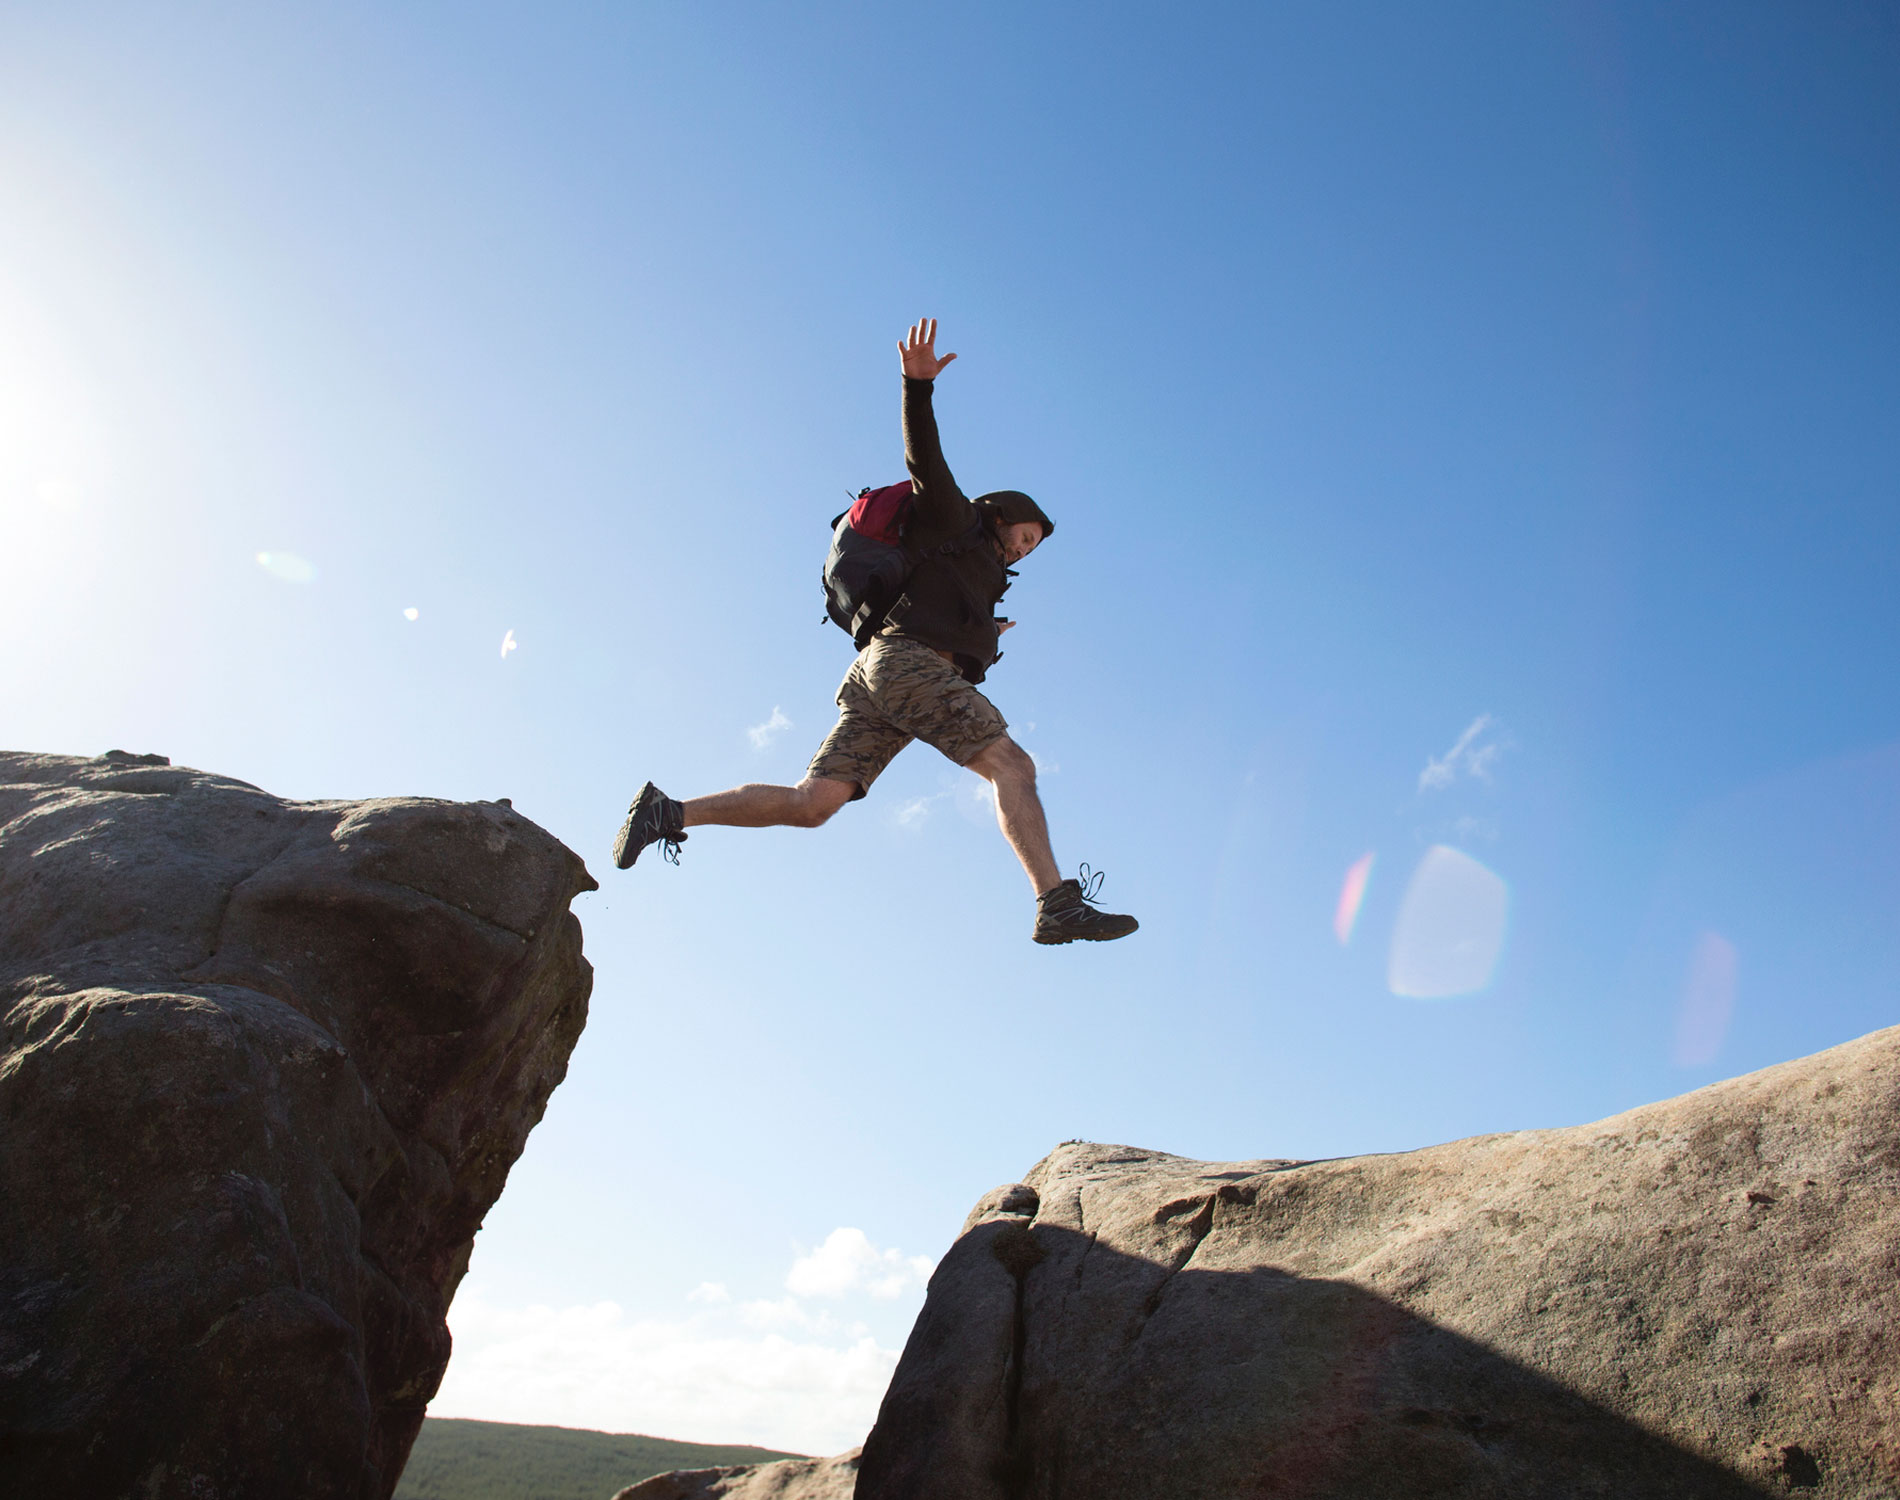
{"x":625,"y":853}
{"x":1084,"y":937}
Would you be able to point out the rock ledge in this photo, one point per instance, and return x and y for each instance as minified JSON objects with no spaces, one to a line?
{"x":1699,"y":1297}
{"x":264,"y":1066}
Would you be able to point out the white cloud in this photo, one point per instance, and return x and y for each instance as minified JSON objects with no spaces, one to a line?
{"x":782,"y":1313}
{"x":762,"y":735}
{"x":915,"y":811}
{"x":698,"y":1378}
{"x":972,"y":796}
{"x":1472,"y":755}
{"x":848,"y":1261}
{"x":774,"y":1371}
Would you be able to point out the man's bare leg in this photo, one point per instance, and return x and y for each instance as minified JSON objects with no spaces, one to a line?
{"x":1008,"y":768}
{"x":758,"y":805}
{"x":1065,"y":911}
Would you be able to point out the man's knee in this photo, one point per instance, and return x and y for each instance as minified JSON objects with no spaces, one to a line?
{"x":819,"y":798}
{"x":1005,"y":761}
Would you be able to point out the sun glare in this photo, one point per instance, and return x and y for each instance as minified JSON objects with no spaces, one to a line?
{"x":1450,"y":932}
{"x":287,"y":566}
{"x":53,"y":446}
{"x":1352,"y":894}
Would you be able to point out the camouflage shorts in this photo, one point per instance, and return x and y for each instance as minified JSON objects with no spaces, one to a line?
{"x":899,"y":690}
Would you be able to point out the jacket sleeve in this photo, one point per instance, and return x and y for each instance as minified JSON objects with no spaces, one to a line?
{"x":940,"y":507}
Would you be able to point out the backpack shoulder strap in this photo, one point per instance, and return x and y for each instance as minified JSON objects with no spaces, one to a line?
{"x":967,"y":542}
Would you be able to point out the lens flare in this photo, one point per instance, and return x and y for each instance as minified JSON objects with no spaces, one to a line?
{"x":1708,"y":1001}
{"x":1450,"y":932}
{"x":287,"y":566}
{"x":509,"y":643}
{"x":411,"y":613}
{"x":1352,"y":891}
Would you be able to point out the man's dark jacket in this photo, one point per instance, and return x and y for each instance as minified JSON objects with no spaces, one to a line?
{"x":958,"y":577}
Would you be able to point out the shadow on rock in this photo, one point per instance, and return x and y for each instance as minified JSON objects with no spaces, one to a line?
{"x":1243,"y":1383}
{"x":1695,"y":1298}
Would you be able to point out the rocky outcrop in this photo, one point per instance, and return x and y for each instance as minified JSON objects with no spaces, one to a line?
{"x":1697,"y":1298}
{"x":264,"y":1066}
{"x":786,"y":1479}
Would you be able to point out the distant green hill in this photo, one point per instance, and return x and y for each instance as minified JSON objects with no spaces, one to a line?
{"x":460,"y":1460}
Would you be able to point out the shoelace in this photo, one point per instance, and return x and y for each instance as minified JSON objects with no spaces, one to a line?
{"x":1088,"y":883}
{"x":670,"y":841}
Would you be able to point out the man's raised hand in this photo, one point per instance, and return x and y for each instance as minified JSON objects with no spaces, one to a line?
{"x":919,"y":349}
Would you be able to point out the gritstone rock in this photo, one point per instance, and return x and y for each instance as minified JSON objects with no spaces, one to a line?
{"x":264,"y":1067}
{"x":784,"y":1479}
{"x":1699,"y":1298}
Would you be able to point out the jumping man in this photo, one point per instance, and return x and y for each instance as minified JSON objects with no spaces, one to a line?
{"x":916,"y":679}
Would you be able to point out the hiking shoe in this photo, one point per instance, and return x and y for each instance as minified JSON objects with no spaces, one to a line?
{"x":654,"y":818}
{"x":1067,"y":912}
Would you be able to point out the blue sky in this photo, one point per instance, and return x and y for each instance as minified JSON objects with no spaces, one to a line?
{"x":1500,"y":389}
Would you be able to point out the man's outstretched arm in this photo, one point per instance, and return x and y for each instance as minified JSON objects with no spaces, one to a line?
{"x":940,"y":504}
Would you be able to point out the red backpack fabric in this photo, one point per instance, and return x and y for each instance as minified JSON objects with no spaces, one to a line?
{"x":879,"y":514}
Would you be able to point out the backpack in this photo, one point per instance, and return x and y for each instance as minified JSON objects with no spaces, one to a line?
{"x":866,"y":567}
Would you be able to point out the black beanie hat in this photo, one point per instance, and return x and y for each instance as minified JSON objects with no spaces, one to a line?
{"x":1012,"y":506}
